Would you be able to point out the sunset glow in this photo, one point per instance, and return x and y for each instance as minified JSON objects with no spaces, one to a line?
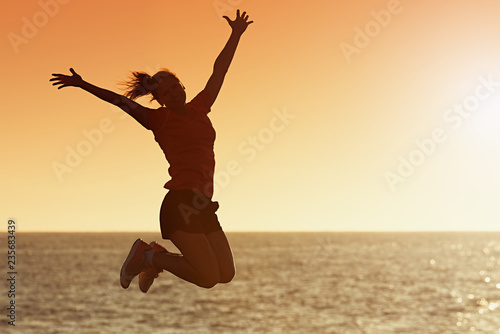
{"x":334,"y":115}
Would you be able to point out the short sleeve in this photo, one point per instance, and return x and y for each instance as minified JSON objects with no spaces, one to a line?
{"x":201,"y":102}
{"x":156,"y":118}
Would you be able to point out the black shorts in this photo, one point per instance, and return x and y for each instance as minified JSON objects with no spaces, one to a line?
{"x":188,"y":211}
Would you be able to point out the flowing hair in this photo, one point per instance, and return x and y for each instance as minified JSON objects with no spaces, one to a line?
{"x":141,"y":83}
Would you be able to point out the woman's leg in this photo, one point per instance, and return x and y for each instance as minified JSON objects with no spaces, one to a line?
{"x":222,"y":250}
{"x":197,"y":262}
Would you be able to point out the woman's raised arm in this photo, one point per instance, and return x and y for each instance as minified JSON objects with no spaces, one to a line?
{"x":221,"y":65}
{"x":134,"y":109}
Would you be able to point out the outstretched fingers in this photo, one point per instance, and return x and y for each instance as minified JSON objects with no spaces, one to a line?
{"x":243,"y":16}
{"x":58,"y":80}
{"x":66,"y":80}
{"x":57,"y":76}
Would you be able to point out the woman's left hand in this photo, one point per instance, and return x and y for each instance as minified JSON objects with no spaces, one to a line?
{"x":240,"y":23}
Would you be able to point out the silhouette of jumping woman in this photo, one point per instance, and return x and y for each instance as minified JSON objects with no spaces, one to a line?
{"x":186,"y":136}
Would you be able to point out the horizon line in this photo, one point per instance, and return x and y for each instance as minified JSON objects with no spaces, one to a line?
{"x":267,"y":231}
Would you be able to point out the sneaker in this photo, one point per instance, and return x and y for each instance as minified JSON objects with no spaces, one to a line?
{"x":134,"y":264}
{"x":147,"y":277}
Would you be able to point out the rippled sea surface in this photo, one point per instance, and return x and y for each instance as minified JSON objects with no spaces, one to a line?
{"x":285,"y":283}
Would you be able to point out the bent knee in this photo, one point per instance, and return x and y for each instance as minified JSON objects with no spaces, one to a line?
{"x":227,"y":276}
{"x":208,"y":281}
{"x":207,"y":285}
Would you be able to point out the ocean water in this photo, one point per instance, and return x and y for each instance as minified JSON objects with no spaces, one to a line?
{"x":285,"y":283}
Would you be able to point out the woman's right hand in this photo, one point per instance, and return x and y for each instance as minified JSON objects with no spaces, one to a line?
{"x":62,"y":80}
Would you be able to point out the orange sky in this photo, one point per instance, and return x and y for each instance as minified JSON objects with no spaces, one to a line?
{"x":362,"y":81}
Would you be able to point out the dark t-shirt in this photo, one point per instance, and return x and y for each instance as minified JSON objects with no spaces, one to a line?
{"x":188,"y":143}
